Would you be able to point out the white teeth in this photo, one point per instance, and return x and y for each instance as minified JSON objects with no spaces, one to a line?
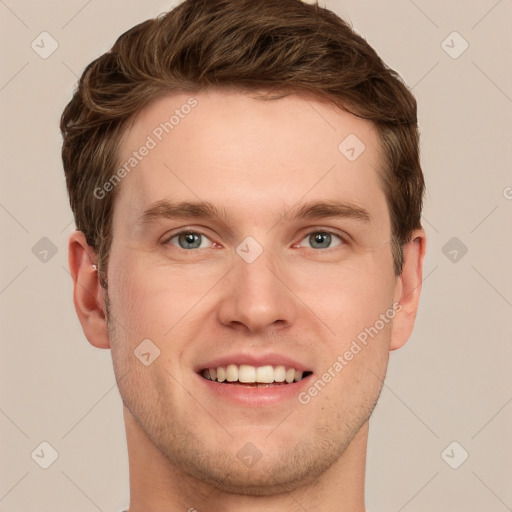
{"x":265,"y":374}
{"x":232,"y":372}
{"x":247,"y":374}
{"x":279,"y":373}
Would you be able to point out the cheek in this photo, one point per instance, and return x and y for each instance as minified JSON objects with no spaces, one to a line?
{"x":135,"y":305}
{"x":349,"y":299}
{"x":142,"y":308}
{"x":356,"y":346}
{"x":151,"y":300}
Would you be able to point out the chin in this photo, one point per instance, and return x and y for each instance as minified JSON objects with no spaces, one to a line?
{"x":280,"y":470}
{"x":262,"y":481}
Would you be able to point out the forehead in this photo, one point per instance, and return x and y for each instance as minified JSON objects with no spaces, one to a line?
{"x":245,"y":153}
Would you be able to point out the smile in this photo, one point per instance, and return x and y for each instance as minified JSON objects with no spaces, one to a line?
{"x":259,"y":376}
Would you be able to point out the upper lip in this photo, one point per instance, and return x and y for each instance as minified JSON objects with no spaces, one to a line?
{"x":256,"y":360}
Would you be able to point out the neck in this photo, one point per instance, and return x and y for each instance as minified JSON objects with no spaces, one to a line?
{"x":157,"y":484}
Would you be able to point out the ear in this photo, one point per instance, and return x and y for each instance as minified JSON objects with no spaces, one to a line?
{"x":408,"y":289}
{"x":88,"y":294}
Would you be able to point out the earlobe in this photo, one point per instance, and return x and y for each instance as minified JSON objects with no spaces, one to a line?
{"x":88,"y":294}
{"x":408,"y":289}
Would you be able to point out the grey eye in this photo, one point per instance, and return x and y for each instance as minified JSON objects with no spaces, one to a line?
{"x":320,"y":240}
{"x":190,"y":240}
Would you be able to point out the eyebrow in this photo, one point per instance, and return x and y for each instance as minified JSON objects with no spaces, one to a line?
{"x":320,"y":209}
{"x":164,"y":209}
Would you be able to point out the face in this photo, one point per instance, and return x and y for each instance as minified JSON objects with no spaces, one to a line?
{"x":248,"y":245}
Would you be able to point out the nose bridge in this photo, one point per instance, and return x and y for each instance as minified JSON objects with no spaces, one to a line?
{"x":259,"y":276}
{"x":258,"y":296}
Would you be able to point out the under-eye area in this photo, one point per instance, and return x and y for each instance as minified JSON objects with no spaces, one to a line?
{"x":255,"y":376}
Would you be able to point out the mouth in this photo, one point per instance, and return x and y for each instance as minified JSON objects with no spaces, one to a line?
{"x":254,"y":376}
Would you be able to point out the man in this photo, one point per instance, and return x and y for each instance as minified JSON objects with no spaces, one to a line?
{"x":247,"y":191}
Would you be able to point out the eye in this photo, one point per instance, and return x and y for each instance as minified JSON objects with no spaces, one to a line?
{"x":322,"y":240}
{"x":190,"y":240}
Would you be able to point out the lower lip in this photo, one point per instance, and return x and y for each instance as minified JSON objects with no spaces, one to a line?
{"x":255,"y":396}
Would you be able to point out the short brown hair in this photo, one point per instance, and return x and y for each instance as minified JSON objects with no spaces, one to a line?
{"x":283,"y":46}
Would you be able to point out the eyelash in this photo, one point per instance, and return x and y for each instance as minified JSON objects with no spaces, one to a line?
{"x":307,"y":235}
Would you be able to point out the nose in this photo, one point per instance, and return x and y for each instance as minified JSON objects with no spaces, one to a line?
{"x":258,"y":296}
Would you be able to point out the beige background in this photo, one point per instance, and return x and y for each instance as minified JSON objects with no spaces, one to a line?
{"x":452,"y":381}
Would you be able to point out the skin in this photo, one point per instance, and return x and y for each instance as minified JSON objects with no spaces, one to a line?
{"x":256,"y":160}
